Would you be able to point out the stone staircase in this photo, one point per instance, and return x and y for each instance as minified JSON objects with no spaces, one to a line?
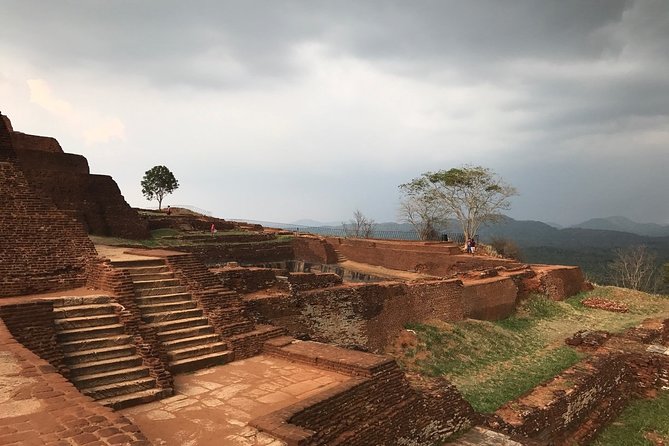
{"x":102,"y":359}
{"x":341,"y":258}
{"x":189,"y":339}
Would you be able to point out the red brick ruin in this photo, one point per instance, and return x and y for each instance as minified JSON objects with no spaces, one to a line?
{"x":145,"y":320}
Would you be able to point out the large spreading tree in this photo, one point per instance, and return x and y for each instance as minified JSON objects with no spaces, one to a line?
{"x":158,"y":182}
{"x":473,"y":195}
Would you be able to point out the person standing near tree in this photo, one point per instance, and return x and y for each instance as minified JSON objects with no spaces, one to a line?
{"x":472,"y":245}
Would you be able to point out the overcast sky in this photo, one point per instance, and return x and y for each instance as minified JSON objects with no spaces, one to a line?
{"x":280,"y":110}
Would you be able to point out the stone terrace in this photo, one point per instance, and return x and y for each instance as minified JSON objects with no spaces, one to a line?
{"x":215,"y":405}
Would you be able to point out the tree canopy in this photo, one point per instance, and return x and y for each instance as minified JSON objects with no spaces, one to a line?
{"x":473,"y":195}
{"x":158,"y":182}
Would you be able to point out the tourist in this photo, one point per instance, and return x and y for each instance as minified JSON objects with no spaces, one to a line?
{"x":169,"y":210}
{"x":472,"y":245}
{"x":468,"y":246}
{"x":213,"y":229}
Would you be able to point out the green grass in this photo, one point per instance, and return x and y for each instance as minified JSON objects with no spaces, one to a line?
{"x":492,"y":363}
{"x":636,"y":421}
{"x":518,"y":379}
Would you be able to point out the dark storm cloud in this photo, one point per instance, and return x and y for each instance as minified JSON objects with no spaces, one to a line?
{"x":577,"y":73}
{"x":157,"y":39}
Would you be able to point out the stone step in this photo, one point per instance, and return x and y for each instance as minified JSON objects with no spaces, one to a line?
{"x":153,"y":300}
{"x":180,"y":323}
{"x":150,"y":284}
{"x":200,"y":362}
{"x":106,"y":365}
{"x":132,"y":399}
{"x":90,"y":332}
{"x":110,"y":377}
{"x":99,"y":354}
{"x":167,"y":306}
{"x":80,"y":300}
{"x":237,"y":328}
{"x":192,"y":341}
{"x":172,"y":315}
{"x":127,"y":264}
{"x":138,"y":271}
{"x":173,"y":335}
{"x":196,"y":350}
{"x":120,"y":388}
{"x":162,"y":291}
{"x":144,"y":277}
{"x":83,"y":310}
{"x":97,"y":343}
{"x":71,"y":323}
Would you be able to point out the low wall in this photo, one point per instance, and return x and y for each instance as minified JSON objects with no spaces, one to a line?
{"x":576,"y":405}
{"x":367,"y":316}
{"x":598,"y":390}
{"x":490,"y":299}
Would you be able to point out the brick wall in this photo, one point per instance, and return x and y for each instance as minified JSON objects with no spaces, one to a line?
{"x":490,"y":299}
{"x":32,"y":324}
{"x":574,"y":406}
{"x":102,"y":275}
{"x":368,"y":316}
{"x":310,"y":281}
{"x":440,"y":259}
{"x":223,"y":309}
{"x":560,"y":282}
{"x":41,"y":248}
{"x":313,"y":250}
{"x":245,"y":253}
{"x":246,"y":280}
{"x":22,"y":141}
{"x":95,"y":200}
{"x":377,"y":406}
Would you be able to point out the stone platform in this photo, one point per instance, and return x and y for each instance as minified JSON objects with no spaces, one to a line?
{"x":214,"y":406}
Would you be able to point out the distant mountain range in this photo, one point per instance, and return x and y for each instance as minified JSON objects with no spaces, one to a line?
{"x":624,"y":224}
{"x":590,"y":245}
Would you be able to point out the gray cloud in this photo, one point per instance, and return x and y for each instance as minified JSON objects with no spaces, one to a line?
{"x":519,"y":85}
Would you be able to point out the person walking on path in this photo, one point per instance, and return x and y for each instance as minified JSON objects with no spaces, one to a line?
{"x":213,"y":229}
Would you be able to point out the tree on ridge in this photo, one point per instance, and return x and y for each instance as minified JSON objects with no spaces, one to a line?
{"x":158,"y":182}
{"x":473,"y":195}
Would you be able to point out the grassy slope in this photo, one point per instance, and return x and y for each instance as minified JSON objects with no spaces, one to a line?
{"x":494,"y":362}
{"x":640,"y":422}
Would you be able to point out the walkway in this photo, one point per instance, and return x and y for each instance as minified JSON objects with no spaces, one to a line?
{"x":213,"y":406}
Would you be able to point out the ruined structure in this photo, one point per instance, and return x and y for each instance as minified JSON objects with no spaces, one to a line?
{"x":41,"y":248}
{"x":64,"y":178}
{"x":328,"y":305}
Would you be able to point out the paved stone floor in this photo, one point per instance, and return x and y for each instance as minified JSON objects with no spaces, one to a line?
{"x":40,"y":407}
{"x":213,"y":406}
